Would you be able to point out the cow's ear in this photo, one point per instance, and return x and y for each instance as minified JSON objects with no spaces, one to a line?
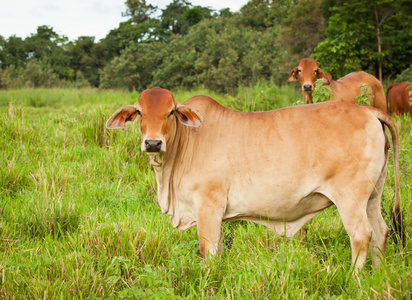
{"x":188,"y":116}
{"x":293,"y":77}
{"x":325,"y":75}
{"x":121,"y":116}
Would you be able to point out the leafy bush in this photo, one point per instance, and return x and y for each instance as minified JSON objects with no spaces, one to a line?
{"x":406,"y":75}
{"x":364,"y":94}
{"x":36,"y":74}
{"x":134,"y":68}
{"x":410,"y":94}
{"x":321,"y":92}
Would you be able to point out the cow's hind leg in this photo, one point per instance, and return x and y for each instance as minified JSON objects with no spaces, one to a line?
{"x":379,"y":227}
{"x":355,"y":220}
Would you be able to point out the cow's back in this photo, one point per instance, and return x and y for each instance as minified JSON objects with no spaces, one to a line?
{"x":347,"y":88}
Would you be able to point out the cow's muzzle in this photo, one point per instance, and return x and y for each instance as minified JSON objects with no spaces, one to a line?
{"x":307,"y":88}
{"x":153,"y":145}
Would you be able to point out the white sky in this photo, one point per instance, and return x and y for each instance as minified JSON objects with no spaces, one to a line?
{"x":74,"y":18}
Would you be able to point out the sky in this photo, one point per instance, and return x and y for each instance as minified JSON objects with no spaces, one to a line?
{"x":74,"y":18}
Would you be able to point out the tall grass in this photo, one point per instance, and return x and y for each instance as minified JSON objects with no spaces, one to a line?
{"x":79,"y":217}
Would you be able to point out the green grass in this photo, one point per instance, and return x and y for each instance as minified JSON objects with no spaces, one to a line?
{"x":79,"y":217}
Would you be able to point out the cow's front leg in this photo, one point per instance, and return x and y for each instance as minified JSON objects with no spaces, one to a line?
{"x":209,"y":232}
{"x":209,"y":215}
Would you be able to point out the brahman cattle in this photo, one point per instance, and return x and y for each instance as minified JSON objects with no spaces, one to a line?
{"x":278,"y":168}
{"x":399,"y":99}
{"x":344,"y":89}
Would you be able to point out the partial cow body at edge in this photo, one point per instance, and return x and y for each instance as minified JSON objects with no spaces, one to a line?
{"x":344,"y":89}
{"x":400,"y":102}
{"x":220,"y":164}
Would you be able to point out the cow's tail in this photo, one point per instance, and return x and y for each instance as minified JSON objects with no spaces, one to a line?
{"x":387,"y":96}
{"x":397,"y":214}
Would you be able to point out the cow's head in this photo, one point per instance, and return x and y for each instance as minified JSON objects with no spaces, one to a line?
{"x":158,"y":114}
{"x":307,"y":72}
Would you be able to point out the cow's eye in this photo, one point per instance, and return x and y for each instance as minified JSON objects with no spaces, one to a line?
{"x":171,"y":113}
{"x":299,"y":71}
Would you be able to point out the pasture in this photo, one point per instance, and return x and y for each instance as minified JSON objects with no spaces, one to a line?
{"x":79,"y":216}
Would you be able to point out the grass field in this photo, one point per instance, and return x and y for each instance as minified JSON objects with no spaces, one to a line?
{"x":79,"y":216}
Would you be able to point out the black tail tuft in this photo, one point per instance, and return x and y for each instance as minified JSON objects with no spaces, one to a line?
{"x":398,"y":227}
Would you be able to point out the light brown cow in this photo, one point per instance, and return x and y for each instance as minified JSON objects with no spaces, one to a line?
{"x":215,"y":164}
{"x":399,"y":98}
{"x":344,"y":89}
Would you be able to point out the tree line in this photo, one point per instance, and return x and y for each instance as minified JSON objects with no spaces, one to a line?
{"x":188,"y":46}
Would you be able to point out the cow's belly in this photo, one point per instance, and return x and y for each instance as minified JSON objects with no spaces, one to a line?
{"x":276,"y":207}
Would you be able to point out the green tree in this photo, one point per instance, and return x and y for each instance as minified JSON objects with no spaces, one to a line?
{"x":83,"y":59}
{"x":13,"y":51}
{"x":180,"y":15}
{"x":173,"y":17}
{"x":218,"y":54}
{"x":134,"y":68}
{"x":255,"y":13}
{"x":47,"y":46}
{"x":141,"y":27}
{"x":139,"y":11}
{"x":129,"y":33}
{"x":225,"y":13}
{"x":263,"y":14}
{"x":195,"y":14}
{"x":176,"y":68}
{"x":39,"y":74}
{"x":302,"y":31}
{"x":374,"y":36}
{"x":9,"y":77}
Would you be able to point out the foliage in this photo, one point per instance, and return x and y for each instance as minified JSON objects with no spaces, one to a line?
{"x":13,"y":52}
{"x":139,"y":10}
{"x":134,"y":68}
{"x":222,"y":50}
{"x":322,"y":92}
{"x":405,"y":75}
{"x":363,"y":35}
{"x":79,"y":216}
{"x":179,"y":16}
{"x":364,"y":94}
{"x":84,"y":60}
{"x":298,"y":25}
{"x":45,"y":46}
{"x":230,"y":54}
{"x":259,"y":14}
{"x":35,"y":74}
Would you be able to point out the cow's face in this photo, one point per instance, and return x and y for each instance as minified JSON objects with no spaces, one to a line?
{"x":307,"y":72}
{"x":158,"y":112}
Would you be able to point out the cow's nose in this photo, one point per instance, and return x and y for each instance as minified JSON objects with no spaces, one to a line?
{"x":307,"y":87}
{"x":153,"y":145}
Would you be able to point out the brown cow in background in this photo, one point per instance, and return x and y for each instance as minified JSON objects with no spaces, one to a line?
{"x":344,"y":89}
{"x":399,"y":99}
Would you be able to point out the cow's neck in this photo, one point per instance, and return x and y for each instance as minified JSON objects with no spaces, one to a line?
{"x":308,"y":98}
{"x":162,"y":166}
{"x":165,"y":166}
